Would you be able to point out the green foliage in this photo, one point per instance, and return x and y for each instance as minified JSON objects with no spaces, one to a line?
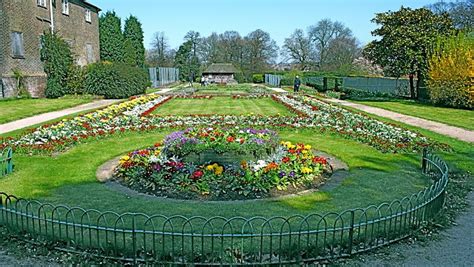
{"x":258,"y":78}
{"x":75,"y":79}
{"x":111,"y":38}
{"x":57,"y":57}
{"x":129,"y":53}
{"x":134,"y":48}
{"x":186,"y":62}
{"x":405,"y":39}
{"x":240,"y":77}
{"x":20,"y":83}
{"x":115,"y":80}
{"x":451,"y":72}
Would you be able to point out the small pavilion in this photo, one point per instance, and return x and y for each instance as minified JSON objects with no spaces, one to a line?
{"x":220,"y":73}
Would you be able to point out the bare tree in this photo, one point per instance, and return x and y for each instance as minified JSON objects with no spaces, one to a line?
{"x":322,"y":34}
{"x":298,"y":49}
{"x":195,"y":39}
{"x":159,"y":54}
{"x":461,"y":12}
{"x":341,"y":53}
{"x":209,"y":49}
{"x":261,"y":51}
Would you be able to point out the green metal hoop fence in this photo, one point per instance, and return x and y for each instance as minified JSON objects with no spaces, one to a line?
{"x":159,"y":239}
{"x":6,"y":161}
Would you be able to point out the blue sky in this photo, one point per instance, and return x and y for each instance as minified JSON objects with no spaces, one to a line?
{"x":278,"y":17}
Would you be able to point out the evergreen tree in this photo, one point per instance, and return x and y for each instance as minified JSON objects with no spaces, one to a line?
{"x":404,"y":40}
{"x":186,"y":62}
{"x":133,"y":34}
{"x":111,"y":38}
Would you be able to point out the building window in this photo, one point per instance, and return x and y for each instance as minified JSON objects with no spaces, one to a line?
{"x":41,"y":42}
{"x":66,"y":7}
{"x":88,"y":15}
{"x":41,"y":3}
{"x":18,"y":50}
{"x":90,"y":53}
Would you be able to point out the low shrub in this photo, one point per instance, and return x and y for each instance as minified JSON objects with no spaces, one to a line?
{"x":358,"y":94}
{"x":75,"y":81}
{"x":115,"y":80}
{"x":451,"y":72}
{"x":258,"y":78}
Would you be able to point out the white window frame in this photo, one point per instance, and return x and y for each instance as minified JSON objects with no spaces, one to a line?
{"x":65,"y":7}
{"x":42,"y":3}
{"x":88,"y":15}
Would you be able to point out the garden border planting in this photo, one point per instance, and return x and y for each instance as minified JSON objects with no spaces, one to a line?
{"x":137,"y":237}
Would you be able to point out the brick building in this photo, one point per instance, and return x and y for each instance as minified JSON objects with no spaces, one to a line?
{"x":23,"y":22}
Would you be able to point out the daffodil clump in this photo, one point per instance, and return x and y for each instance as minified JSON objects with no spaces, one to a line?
{"x":158,"y":171}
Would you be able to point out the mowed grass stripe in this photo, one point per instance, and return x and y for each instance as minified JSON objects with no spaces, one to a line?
{"x":224,"y":106}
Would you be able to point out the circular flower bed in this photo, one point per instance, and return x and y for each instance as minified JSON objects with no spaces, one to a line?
{"x":222,"y":164}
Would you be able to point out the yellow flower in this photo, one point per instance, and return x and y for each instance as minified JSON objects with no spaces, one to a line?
{"x":124,"y":159}
{"x":306,"y":170}
{"x":305,"y":151}
{"x":210,"y":167}
{"x":307,"y":147}
{"x":219,"y":170}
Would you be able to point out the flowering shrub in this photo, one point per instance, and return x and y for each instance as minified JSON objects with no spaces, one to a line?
{"x":163,"y":170}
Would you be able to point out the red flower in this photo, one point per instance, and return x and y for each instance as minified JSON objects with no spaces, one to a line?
{"x":320,"y":160}
{"x":230,"y":139}
{"x":197,"y":175}
{"x":286,"y":159}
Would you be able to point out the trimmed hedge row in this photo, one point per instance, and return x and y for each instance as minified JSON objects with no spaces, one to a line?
{"x":115,"y":80}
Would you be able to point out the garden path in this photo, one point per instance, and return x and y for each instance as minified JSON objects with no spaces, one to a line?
{"x":279,"y":90}
{"x":454,"y":248}
{"x":41,"y":118}
{"x":165,"y":90}
{"x":441,"y":128}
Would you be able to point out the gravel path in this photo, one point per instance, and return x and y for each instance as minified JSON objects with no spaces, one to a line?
{"x":459,"y":133}
{"x":27,"y":122}
{"x":455,"y":247}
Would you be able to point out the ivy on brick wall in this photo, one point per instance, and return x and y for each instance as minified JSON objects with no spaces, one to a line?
{"x":57,"y":57}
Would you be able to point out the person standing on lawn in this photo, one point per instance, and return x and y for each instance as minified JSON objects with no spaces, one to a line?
{"x":297,"y":84}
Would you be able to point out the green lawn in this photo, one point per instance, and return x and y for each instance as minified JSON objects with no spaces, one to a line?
{"x":15,"y":109}
{"x":223,"y":105}
{"x":70,"y":179}
{"x":455,"y":117}
{"x":374,"y":177}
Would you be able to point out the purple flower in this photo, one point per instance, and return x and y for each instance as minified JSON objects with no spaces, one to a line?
{"x":157,"y":167}
{"x":282,"y":174}
{"x":292,"y":174}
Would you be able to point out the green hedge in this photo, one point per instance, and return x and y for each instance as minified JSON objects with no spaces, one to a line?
{"x":115,"y":80}
{"x":258,"y":78}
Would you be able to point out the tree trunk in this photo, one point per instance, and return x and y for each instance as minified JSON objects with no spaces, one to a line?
{"x":419,"y":81}
{"x":412,"y":87}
